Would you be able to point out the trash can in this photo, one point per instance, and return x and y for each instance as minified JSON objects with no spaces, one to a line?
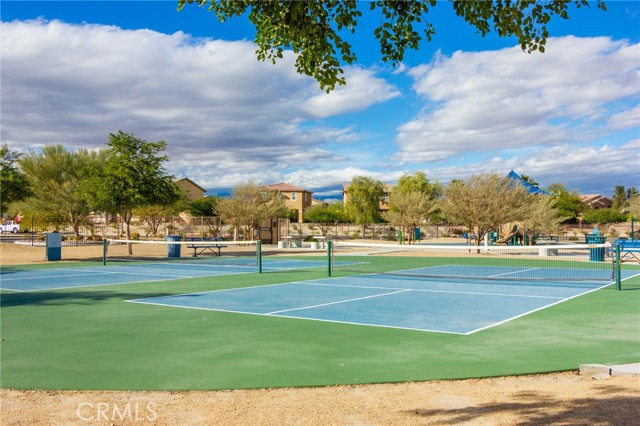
{"x":173,"y":249}
{"x":596,"y":254}
{"x":54,"y":246}
{"x":416,"y":234}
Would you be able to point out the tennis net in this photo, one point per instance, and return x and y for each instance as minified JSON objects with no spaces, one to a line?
{"x":575,"y":262}
{"x":245,"y":254}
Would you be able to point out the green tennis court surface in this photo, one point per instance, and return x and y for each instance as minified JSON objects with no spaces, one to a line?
{"x":90,"y":338}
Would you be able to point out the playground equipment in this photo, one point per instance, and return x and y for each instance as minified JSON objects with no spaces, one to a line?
{"x":515,"y":233}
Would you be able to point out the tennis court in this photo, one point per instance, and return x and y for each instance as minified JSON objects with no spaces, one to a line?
{"x":464,"y":306}
{"x":295,"y":326}
{"x":22,"y":280}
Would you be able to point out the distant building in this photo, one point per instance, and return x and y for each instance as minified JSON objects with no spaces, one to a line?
{"x":384,"y":200}
{"x":192,"y":189}
{"x":295,"y":198}
{"x":596,"y":201}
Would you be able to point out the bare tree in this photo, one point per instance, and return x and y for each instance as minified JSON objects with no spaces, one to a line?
{"x":249,"y":206}
{"x":483,"y":203}
{"x":408,"y":209}
{"x":542,"y":216}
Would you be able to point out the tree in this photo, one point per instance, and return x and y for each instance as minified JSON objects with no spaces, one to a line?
{"x":249,"y":206}
{"x":316,"y":31}
{"x":483,"y":203}
{"x":541,"y":216}
{"x":619,"y":199}
{"x":133,"y":176}
{"x":204,"y":207}
{"x":568,"y":204}
{"x":363,"y":202}
{"x":418,"y":182}
{"x":407,"y":209}
{"x":412,"y":201}
{"x":632,"y":192}
{"x":57,"y":176}
{"x":604,"y":216}
{"x":154,"y":215}
{"x":206,"y":210}
{"x":530,"y":180}
{"x":326,"y":217}
{"x":14,"y":185}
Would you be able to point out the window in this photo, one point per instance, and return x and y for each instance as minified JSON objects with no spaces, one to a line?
{"x":294,"y":196}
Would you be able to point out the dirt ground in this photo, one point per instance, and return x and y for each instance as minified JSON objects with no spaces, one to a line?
{"x":552,"y":399}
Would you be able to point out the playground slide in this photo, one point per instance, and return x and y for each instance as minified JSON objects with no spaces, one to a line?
{"x":515,"y":232}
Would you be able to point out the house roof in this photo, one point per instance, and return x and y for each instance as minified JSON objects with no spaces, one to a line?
{"x":285,"y":187}
{"x":596,"y":200}
{"x":190,"y":181}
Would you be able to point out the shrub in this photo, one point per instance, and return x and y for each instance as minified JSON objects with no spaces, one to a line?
{"x":135,"y":235}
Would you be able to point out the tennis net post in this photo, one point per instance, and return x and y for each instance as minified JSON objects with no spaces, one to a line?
{"x":329,"y":255}
{"x":617,"y":268}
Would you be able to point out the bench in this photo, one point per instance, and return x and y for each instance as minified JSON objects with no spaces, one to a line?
{"x":629,"y":249}
{"x":202,"y":248}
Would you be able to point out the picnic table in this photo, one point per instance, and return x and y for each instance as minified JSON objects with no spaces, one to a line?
{"x":202,"y":248}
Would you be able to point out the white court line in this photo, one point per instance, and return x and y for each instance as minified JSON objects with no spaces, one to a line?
{"x":97,"y":273}
{"x":164,"y":278}
{"x":337,"y":302}
{"x":276,"y":315}
{"x":536,"y":310}
{"x":438,"y":291}
{"x":514,"y":272}
{"x":167,"y":305}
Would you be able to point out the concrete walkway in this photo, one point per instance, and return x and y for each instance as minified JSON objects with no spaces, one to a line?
{"x":600,"y":371}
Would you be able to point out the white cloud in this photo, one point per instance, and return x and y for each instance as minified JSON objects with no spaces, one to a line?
{"x":211,"y":100}
{"x":363,"y":89}
{"x":590,"y":168}
{"x":626,"y":119}
{"x":505,"y":99}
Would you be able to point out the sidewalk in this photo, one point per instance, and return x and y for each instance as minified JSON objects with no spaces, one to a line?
{"x":600,"y":371}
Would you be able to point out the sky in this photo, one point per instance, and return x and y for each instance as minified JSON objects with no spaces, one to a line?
{"x":74,"y":72}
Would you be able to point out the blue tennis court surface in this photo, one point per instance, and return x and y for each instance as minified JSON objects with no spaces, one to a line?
{"x":14,"y":279}
{"x":462,"y":307}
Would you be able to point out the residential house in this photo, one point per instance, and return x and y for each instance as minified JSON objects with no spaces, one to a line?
{"x":596,"y":201}
{"x":384,"y":201}
{"x":295,"y":198}
{"x":192,"y":189}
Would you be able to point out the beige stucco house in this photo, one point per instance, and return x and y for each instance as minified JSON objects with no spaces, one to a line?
{"x":295,"y":198}
{"x":192,"y":189}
